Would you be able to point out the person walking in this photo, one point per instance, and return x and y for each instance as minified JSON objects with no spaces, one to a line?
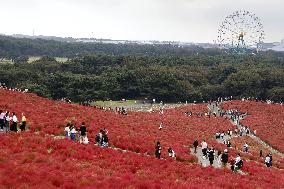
{"x":222,"y":135}
{"x":238,"y":162}
{"x":267,"y":160}
{"x":225,"y":157}
{"x":211,"y":154}
{"x":270,"y":162}
{"x":246,"y":146}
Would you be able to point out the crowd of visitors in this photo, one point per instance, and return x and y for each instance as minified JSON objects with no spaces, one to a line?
{"x":158,"y":151}
{"x":75,"y":134}
{"x":222,"y":158}
{"x":3,"y":86}
{"x":102,"y":138}
{"x":117,"y":110}
{"x":9,"y":122}
{"x":80,"y":134}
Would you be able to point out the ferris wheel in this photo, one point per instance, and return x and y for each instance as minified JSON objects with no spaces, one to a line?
{"x":241,"y":31}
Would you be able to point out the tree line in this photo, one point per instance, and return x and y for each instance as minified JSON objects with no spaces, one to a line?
{"x":196,"y":76}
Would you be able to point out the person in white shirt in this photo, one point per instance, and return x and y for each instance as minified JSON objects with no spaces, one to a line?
{"x":161,"y":126}
{"x":267,"y":160}
{"x":238,"y":162}
{"x":231,"y":133}
{"x":238,"y":159}
{"x":246,"y":147}
{"x":85,"y":140}
{"x":254,"y":132}
{"x":15,"y":123}
{"x":171,"y":153}
{"x":2,"y":119}
{"x":67,"y":131}
{"x":204,"y":147}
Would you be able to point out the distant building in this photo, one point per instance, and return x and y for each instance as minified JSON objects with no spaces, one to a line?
{"x":278,"y":46}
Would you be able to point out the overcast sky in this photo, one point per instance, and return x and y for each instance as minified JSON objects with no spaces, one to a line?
{"x":174,"y":20}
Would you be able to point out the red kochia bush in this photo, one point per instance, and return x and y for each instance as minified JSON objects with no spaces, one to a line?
{"x":137,"y":132}
{"x":106,"y":168}
{"x":266,"y":119}
{"x":39,"y":161}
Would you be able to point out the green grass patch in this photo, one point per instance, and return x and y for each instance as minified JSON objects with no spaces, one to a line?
{"x":6,"y":61}
{"x":61,"y":59}
{"x":33,"y":58}
{"x":111,"y":103}
{"x":58,"y":59}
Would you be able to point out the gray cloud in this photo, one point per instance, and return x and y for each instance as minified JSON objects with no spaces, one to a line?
{"x":184,"y":20}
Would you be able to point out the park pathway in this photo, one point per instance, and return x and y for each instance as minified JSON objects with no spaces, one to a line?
{"x":205,"y":161}
{"x":212,"y":107}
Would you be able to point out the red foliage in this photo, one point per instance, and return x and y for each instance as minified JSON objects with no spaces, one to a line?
{"x":34,"y":160}
{"x":254,"y":149}
{"x":43,"y":162}
{"x":138,"y":131}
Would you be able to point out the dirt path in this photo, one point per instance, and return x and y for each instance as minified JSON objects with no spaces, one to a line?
{"x":214,"y":108}
{"x":217,"y":109}
{"x":205,"y":161}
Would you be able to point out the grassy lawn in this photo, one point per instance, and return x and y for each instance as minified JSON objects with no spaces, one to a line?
{"x":61,"y":59}
{"x":33,"y":58}
{"x":6,"y":61}
{"x":58,"y":59}
{"x":114,"y":103}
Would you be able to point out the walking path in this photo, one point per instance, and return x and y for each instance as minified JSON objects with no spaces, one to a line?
{"x":205,"y":161}
{"x":215,"y":108}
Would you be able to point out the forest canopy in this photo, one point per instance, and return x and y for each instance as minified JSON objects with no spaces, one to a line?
{"x":132,"y":71}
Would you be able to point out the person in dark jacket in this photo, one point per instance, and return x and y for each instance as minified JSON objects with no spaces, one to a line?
{"x":14,"y":123}
{"x":225,"y":157}
{"x":195,"y":145}
{"x":83,"y":132}
{"x":158,"y":150}
{"x":99,"y":138}
{"x":211,"y":154}
{"x":2,"y":119}
{"x":270,"y":162}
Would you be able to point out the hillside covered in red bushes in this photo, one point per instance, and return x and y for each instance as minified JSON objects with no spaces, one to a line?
{"x":35,"y":159}
{"x":266,"y":119}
